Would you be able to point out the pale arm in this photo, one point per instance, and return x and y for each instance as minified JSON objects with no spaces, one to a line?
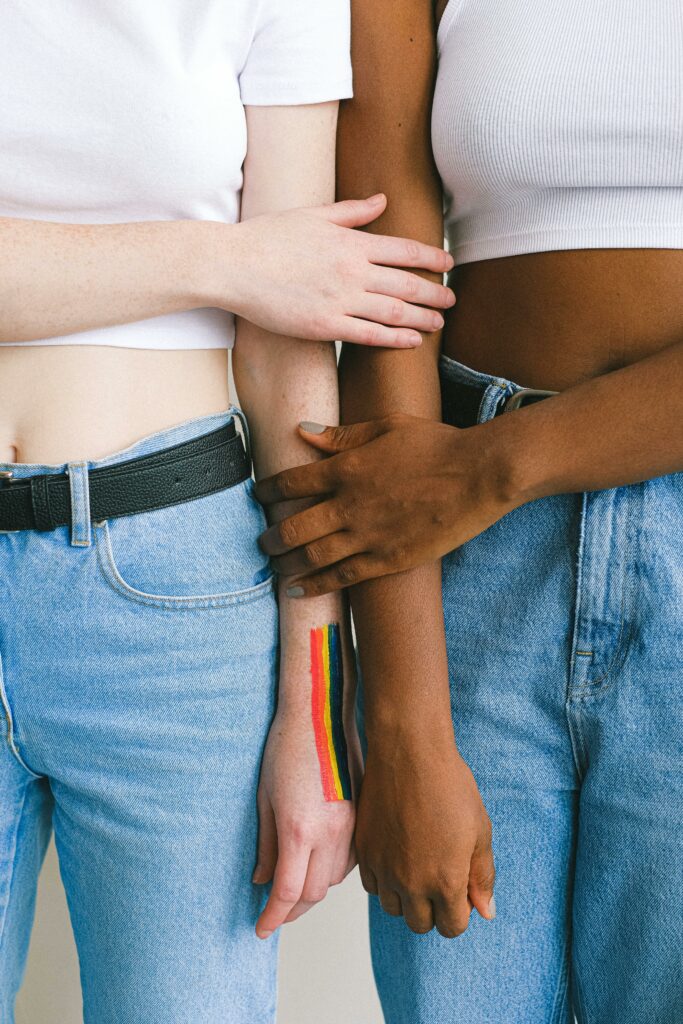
{"x":305,"y":839}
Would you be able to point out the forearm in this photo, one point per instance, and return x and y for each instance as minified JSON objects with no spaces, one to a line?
{"x":616,"y":429}
{"x":280,"y":382}
{"x":383,"y":142}
{"x":62,"y":278}
{"x":398,"y":619}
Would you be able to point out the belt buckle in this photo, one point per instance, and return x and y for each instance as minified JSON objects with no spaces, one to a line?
{"x":520,"y":398}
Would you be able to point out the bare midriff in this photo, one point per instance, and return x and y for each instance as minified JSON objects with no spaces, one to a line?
{"x":65,"y":402}
{"x":552,"y":319}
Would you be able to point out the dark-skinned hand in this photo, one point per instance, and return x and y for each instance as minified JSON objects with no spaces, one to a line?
{"x":395,"y":493}
{"x":432,"y":876}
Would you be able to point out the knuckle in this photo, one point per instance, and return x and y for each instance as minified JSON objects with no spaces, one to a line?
{"x":371,"y":334}
{"x":298,"y":833}
{"x":313,"y":555}
{"x":288,"y":533}
{"x":285,"y":893}
{"x":314,"y":895}
{"x":396,"y":312}
{"x":352,"y":464}
{"x":286,"y":484}
{"x":411,"y":286}
{"x":347,"y":573}
{"x":412,"y":250}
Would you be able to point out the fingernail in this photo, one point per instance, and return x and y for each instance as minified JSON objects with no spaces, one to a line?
{"x":256,"y":877}
{"x":264,"y":935}
{"x":451,"y":299}
{"x":438,"y":321}
{"x":492,"y":908}
{"x":295,"y":591}
{"x":312,"y":428}
{"x":376,"y":199}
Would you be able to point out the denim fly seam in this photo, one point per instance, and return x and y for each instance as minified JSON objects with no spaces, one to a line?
{"x":79,"y":489}
{"x":9,"y":726}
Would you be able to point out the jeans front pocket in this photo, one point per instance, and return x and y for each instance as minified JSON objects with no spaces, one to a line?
{"x":197,"y":554}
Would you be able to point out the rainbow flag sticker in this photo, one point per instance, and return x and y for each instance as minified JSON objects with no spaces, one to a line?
{"x":327,"y":706}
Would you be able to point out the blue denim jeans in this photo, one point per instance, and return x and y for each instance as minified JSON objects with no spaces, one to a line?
{"x":138,"y":681}
{"x":565,"y":641}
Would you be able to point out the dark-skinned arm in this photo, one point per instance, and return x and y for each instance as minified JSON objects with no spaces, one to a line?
{"x":616,"y":429}
{"x":423,"y":836}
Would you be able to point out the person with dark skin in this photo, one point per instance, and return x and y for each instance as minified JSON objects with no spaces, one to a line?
{"x":597,"y":327}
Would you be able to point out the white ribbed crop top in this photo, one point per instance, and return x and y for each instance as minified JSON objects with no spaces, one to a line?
{"x":558,"y":124}
{"x":114,"y":111}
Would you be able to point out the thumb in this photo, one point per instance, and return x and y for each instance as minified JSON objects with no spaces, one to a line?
{"x":354,"y":213}
{"x":482,"y":876}
{"x":267,"y":844}
{"x":340,"y":439}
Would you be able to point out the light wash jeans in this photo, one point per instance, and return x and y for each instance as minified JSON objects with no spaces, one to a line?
{"x":138,"y":674}
{"x":565,"y":641}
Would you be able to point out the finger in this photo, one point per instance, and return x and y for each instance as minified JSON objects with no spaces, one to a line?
{"x":316,"y":555}
{"x":368,"y":879}
{"x":452,"y":913}
{"x":342,"y":438}
{"x":364,"y":332}
{"x":302,"y":528}
{"x":482,"y":879}
{"x":267,"y":844}
{"x":351,"y":863}
{"x":400,"y":284}
{"x":288,"y":882}
{"x":346,"y":573}
{"x":397,"y":313}
{"x":390,"y":901}
{"x":316,"y":885}
{"x":406,"y":252}
{"x":418,"y":913}
{"x":307,"y":481}
{"x":354,"y":213}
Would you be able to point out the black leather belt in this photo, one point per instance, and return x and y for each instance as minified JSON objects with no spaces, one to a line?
{"x":179,"y":473}
{"x":460,"y":402}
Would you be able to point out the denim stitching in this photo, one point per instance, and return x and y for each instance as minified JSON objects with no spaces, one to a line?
{"x":10,"y":882}
{"x":590,"y":687}
{"x":117,"y":583}
{"x":79,"y":538}
{"x":9,"y":720}
{"x":561,"y":990}
{"x":582,"y":1016}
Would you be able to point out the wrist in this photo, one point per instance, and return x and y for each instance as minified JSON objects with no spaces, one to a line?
{"x":389,"y":727}
{"x":212,"y":250}
{"x":519,"y":469}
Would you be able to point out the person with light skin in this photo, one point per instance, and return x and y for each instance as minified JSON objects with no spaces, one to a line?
{"x":156,"y":709}
{"x":506,"y":505}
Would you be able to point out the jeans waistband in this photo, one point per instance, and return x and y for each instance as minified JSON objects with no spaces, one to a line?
{"x":492,"y":389}
{"x":78,"y":469}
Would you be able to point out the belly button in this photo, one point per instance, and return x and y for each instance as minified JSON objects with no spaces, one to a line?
{"x":8,"y":453}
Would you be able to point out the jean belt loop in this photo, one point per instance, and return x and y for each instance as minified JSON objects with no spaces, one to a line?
{"x":236,"y":411}
{"x":80,"y":504}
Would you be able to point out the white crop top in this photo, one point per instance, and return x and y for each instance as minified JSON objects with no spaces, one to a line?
{"x":128,"y":110}
{"x":558,"y":124}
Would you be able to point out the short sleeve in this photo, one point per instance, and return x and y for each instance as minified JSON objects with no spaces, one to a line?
{"x":300,"y":53}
